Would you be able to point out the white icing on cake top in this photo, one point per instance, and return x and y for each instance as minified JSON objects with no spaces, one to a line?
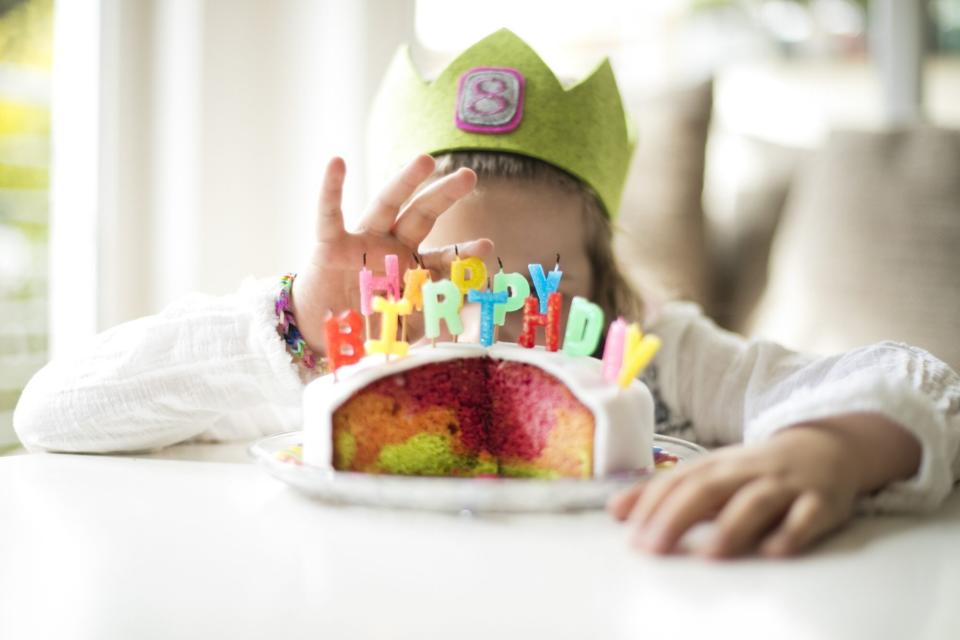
{"x":623,"y":418}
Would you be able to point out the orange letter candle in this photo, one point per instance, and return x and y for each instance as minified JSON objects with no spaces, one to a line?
{"x":413,"y":281}
{"x":344,"y":345}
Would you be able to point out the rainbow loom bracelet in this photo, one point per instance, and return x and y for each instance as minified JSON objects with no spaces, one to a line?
{"x":287,"y":326}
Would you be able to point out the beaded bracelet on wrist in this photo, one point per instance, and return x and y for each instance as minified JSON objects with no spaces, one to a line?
{"x":287,"y":325}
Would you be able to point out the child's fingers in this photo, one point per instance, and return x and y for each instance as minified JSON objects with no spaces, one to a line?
{"x":621,"y":503}
{"x":657,"y":490}
{"x":383,"y":212}
{"x":438,"y":260}
{"x":692,"y":501}
{"x":808,"y":518}
{"x":329,"y":213}
{"x":418,"y":218}
{"x":750,"y":513}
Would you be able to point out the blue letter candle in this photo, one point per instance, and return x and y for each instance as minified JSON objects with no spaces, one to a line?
{"x":487,"y":300}
{"x":545,"y":284}
{"x":584,"y":326}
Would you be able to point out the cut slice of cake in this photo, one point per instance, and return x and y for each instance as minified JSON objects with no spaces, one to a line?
{"x":465,"y":410}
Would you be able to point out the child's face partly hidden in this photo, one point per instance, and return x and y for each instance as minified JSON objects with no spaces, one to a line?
{"x":529,"y":222}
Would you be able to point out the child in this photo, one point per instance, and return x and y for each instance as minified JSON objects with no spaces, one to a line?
{"x":876,"y":428}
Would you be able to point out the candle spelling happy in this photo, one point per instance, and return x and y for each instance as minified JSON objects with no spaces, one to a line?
{"x":370,"y":284}
{"x":467,"y":273}
{"x":545,"y":284}
{"x":517,"y":288}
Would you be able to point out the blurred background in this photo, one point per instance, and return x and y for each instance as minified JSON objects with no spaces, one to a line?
{"x":798,"y":171}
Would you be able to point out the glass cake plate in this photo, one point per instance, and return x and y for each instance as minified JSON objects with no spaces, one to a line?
{"x":281,"y":456}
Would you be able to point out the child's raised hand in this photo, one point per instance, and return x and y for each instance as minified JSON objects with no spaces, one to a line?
{"x":329,"y":281}
{"x":777,"y":497}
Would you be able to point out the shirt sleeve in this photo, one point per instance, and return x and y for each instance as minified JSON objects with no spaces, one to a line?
{"x":205,"y":368}
{"x":732,"y":389}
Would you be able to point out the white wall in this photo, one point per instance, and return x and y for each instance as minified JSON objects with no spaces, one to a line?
{"x":211,"y":123}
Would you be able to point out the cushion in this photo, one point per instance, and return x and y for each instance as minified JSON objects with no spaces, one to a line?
{"x":869,"y":246}
{"x":660,"y":237}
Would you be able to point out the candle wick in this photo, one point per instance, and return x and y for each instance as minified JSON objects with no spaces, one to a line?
{"x":500,"y":262}
{"x":364,"y":258}
{"x":556,"y":267}
{"x":456,"y":250}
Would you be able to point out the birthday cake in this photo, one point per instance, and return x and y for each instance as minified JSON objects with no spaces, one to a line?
{"x":470,"y":410}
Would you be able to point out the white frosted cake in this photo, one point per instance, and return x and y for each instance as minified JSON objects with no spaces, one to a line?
{"x":469,"y":410}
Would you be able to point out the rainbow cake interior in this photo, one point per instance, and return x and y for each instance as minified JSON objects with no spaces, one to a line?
{"x":465,"y":417}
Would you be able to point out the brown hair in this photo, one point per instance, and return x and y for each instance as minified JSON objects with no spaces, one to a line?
{"x":608,"y":287}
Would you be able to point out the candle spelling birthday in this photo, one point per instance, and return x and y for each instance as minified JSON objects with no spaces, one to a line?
{"x":626,"y":350}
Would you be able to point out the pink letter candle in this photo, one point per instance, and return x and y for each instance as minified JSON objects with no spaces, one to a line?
{"x":370,"y":284}
{"x":344,"y":345}
{"x":550,"y":321}
{"x":518,"y":288}
{"x":441,"y":301}
{"x":545,"y":284}
{"x":639,"y":351}
{"x":584,"y":326}
{"x":613,"y":350}
{"x":488,"y":300}
{"x":388,"y":343}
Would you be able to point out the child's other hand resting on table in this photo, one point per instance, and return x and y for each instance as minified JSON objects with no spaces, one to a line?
{"x":777,"y":497}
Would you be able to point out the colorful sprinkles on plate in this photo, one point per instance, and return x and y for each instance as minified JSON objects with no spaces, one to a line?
{"x":294,"y":454}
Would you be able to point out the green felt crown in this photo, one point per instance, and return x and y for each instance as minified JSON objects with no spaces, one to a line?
{"x":582,"y":129}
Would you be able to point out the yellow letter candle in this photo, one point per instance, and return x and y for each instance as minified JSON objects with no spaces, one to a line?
{"x":637,"y":353}
{"x":388,"y":343}
{"x":468,"y":273}
{"x":441,"y":301}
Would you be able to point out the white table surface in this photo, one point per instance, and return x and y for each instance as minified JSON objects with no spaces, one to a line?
{"x":133,"y":547}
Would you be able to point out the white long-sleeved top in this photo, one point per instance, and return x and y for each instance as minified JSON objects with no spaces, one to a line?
{"x":214,"y":368}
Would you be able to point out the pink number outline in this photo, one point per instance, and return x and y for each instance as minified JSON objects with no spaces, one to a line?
{"x":479,"y":128}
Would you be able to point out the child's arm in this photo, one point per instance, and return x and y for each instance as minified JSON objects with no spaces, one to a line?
{"x":884,"y":419}
{"x":211,"y":366}
{"x":216,"y":368}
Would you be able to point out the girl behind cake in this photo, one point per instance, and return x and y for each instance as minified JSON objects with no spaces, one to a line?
{"x":539,"y":173}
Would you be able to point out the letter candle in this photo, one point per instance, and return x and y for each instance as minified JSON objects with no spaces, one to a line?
{"x":467,"y":273}
{"x":369,"y":284}
{"x":390,"y":310}
{"x":584,"y":326}
{"x":517,"y":286}
{"x":488,"y":300}
{"x":613,"y":350}
{"x":545,"y":284}
{"x":637,"y":353}
{"x":344,"y":345}
{"x":447,"y":309}
{"x":550,"y":321}
{"x":413,"y":281}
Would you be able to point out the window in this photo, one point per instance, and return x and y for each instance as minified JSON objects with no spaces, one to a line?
{"x":25,"y":56}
